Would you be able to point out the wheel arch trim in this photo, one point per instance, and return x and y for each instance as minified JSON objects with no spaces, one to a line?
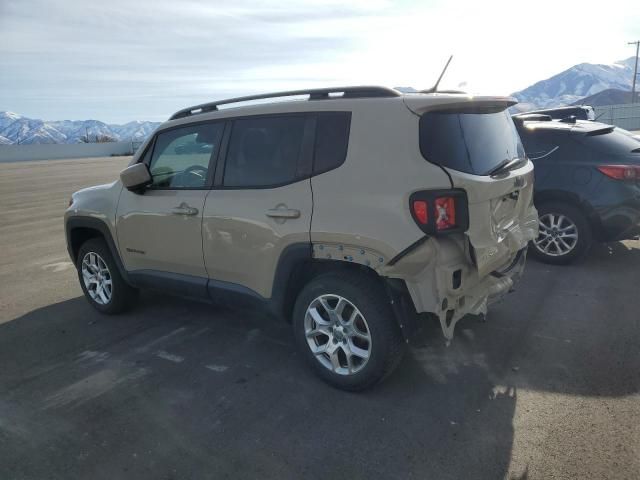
{"x":91,"y":223}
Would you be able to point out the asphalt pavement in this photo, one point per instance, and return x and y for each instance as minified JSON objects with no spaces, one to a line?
{"x":548,"y":387}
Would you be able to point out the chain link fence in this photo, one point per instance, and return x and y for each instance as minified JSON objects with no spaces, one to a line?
{"x":623,"y":116}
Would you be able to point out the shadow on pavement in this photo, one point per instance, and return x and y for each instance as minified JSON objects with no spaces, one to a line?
{"x":176,"y":389}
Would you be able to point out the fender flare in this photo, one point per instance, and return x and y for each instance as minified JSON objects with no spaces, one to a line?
{"x":91,"y":223}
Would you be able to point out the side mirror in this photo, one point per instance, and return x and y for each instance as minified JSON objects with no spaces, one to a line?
{"x":136,"y":177}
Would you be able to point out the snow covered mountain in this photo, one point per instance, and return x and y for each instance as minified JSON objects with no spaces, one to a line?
{"x":15,"y":128}
{"x":577,"y":82}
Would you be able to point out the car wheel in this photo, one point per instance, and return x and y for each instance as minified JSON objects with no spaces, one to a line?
{"x":100,"y":279}
{"x":345,"y":328}
{"x":565,"y":234}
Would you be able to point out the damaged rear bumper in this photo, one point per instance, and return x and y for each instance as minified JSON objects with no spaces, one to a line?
{"x":453,"y":288}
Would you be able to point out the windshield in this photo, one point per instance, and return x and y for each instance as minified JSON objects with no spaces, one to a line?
{"x":469,"y":141}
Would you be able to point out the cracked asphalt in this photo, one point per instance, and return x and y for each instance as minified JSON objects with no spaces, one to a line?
{"x":548,"y":387}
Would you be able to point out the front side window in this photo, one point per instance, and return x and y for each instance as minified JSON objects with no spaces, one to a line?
{"x":264,"y":151}
{"x":181,"y":156}
{"x":469,"y":140}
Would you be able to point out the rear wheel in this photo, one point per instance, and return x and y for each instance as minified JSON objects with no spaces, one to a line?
{"x":346,"y":330}
{"x":100,"y":279}
{"x":565,"y":234}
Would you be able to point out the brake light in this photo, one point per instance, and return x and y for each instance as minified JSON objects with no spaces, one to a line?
{"x":440,"y":211}
{"x":628,"y":173}
{"x":420,"y":211}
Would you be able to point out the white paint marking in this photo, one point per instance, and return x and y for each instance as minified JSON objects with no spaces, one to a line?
{"x":217,"y":368}
{"x":170,"y":356}
{"x":161,"y":339}
{"x":92,"y":387}
{"x":58,"y":267}
{"x":91,"y":355}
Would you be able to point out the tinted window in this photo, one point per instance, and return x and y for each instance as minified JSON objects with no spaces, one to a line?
{"x":469,"y":141}
{"x":614,"y":142}
{"x":264,"y":151}
{"x":581,"y":113}
{"x":181,"y":156}
{"x":538,"y":143}
{"x":332,"y":139}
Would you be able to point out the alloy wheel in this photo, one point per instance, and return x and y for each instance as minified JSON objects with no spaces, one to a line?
{"x":97,"y":278}
{"x":337,"y":334}
{"x":558,"y":235}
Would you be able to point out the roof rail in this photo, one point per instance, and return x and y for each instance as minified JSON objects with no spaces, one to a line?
{"x":314,"y":94}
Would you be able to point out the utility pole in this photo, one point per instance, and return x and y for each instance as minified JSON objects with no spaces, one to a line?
{"x":635,"y":71}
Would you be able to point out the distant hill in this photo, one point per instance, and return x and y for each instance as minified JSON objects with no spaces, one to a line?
{"x":610,"y":96}
{"x":576,"y":83}
{"x":15,"y":128}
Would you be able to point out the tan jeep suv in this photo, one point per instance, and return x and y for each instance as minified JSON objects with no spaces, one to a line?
{"x":354,"y":213}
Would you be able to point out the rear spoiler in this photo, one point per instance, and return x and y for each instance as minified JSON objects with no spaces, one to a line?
{"x":600,"y":131}
{"x":435,"y":102}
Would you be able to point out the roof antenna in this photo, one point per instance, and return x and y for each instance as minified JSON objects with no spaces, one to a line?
{"x":435,"y":87}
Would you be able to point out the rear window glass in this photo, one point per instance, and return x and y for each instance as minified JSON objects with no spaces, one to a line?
{"x":613,"y":143}
{"x":469,"y":141}
{"x":540,"y":143}
{"x":332,"y":139}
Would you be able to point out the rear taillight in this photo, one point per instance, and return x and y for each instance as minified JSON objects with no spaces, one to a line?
{"x":420,"y":211}
{"x":629,"y":173}
{"x":440,"y":211}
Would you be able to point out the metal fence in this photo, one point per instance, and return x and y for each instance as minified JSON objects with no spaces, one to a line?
{"x":16,"y":153}
{"x":623,"y":116}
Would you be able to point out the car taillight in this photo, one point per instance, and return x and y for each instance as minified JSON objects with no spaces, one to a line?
{"x":630,"y":173}
{"x":440,"y":211}
{"x":420,"y":211}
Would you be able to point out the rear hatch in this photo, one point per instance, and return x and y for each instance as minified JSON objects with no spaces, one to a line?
{"x":474,"y":140}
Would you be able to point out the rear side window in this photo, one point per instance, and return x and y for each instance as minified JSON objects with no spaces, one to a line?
{"x":332,"y":140}
{"x":612,"y":142}
{"x":470,"y":141}
{"x":264,"y":151}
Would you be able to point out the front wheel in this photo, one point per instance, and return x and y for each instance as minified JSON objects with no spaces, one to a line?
{"x":100,"y":279}
{"x":565,"y":234}
{"x":346,"y":330}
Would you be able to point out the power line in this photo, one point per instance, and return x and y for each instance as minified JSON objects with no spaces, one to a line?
{"x":635,"y":71}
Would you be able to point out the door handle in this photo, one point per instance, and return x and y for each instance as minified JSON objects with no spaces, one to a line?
{"x":283,"y":213}
{"x":184,"y":209}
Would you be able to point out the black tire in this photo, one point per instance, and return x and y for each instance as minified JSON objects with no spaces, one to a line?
{"x":367,"y":295}
{"x":579,"y":249}
{"x":123,"y":295}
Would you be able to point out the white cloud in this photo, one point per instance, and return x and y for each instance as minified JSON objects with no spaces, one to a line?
{"x":120,"y":60}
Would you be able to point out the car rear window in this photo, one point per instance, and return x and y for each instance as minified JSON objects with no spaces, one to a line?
{"x":612,"y":141}
{"x":471,"y":141}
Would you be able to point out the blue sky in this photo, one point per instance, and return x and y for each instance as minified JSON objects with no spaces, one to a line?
{"x":144,"y":59}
